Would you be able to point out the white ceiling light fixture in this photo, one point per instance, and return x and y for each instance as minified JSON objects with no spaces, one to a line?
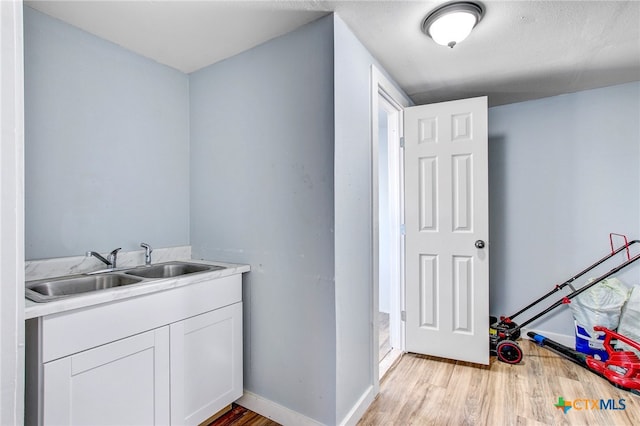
{"x":451,"y":23}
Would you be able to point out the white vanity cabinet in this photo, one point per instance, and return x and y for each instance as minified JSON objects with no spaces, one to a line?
{"x":170,"y":357}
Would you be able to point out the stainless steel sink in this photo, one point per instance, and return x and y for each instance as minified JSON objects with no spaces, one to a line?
{"x":55,"y":288}
{"x":47,"y":290}
{"x":170,"y":269}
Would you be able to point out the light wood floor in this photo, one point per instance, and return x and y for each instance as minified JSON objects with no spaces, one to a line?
{"x":421,"y":390}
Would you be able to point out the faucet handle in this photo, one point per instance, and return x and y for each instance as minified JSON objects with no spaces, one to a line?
{"x":113,"y":257}
{"x":147,"y":253}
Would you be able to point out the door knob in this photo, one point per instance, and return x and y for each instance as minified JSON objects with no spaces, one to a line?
{"x":480,"y":244}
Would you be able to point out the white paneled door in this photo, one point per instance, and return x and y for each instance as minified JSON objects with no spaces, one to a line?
{"x":446,"y":222}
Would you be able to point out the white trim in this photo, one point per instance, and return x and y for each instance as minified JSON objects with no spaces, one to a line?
{"x":360,"y":407}
{"x":381,"y":86}
{"x":389,"y":361}
{"x":274,"y":411}
{"x":12,"y":362}
{"x":378,"y":79}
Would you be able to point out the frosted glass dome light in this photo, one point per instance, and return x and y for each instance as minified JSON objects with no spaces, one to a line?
{"x":451,"y":23}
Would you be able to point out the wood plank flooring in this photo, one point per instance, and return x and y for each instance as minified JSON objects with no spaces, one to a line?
{"x":240,"y":416}
{"x":422,"y":390}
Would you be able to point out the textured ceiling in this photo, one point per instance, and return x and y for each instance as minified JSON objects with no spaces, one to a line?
{"x":520,"y":50}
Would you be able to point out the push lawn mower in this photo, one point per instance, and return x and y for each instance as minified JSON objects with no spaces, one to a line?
{"x":504,"y":333}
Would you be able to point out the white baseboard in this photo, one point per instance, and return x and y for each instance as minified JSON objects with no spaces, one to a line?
{"x":286,"y":416}
{"x":275,"y":411}
{"x":360,"y":407}
{"x":563,"y":339}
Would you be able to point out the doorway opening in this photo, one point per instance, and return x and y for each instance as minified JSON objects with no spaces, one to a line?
{"x":389,"y":230}
{"x":387,"y":210}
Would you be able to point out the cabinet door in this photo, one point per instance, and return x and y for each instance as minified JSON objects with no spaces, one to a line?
{"x":121,"y":383}
{"x":206,"y":364}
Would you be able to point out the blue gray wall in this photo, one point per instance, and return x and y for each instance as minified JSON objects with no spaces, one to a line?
{"x":353,"y":216}
{"x":106,"y":145}
{"x":564,"y":172}
{"x":353,"y":251}
{"x":262,"y":193}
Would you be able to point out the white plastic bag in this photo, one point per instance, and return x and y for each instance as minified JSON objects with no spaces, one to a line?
{"x":600,"y":305}
{"x":630,"y":320}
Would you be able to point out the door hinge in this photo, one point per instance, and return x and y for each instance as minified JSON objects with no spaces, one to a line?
{"x":402,"y":142}
{"x":403,"y":316}
{"x":402,"y":230}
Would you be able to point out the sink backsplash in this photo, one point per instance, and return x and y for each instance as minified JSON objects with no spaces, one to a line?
{"x":57,"y":267}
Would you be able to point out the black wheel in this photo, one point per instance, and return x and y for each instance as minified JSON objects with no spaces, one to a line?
{"x":509,"y":352}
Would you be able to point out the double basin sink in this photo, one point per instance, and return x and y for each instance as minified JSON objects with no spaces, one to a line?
{"x":47,"y":290}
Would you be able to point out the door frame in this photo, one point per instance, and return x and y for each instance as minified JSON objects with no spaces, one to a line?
{"x":381,"y":86}
{"x":394,"y":213}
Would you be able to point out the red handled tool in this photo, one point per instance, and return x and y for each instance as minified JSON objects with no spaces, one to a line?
{"x":622,"y":368}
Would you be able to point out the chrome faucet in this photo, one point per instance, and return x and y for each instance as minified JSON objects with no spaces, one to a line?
{"x":95,"y":254}
{"x":147,"y":253}
{"x":113,"y":256}
{"x":111,"y":259}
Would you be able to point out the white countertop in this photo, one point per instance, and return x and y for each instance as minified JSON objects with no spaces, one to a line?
{"x":35,"y":309}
